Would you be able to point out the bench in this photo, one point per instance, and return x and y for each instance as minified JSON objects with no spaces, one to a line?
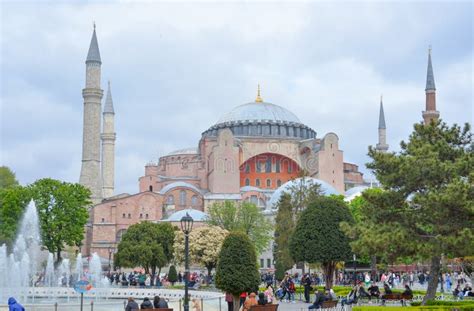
{"x":396,"y":296}
{"x":329,"y":304}
{"x":269,"y":307}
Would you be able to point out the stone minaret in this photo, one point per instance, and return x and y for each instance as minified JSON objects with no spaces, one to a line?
{"x":382,"y":144}
{"x":108,"y":146}
{"x":92,"y":93}
{"x":430,"y":113}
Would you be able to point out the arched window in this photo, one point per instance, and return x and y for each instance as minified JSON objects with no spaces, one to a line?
{"x":194,"y":200}
{"x":277,"y":164}
{"x":170,"y":200}
{"x":182,"y":197}
{"x":268,"y":165}
{"x":247,"y":168}
{"x":257,"y":182}
{"x":150,"y":188}
{"x":269,"y":183}
{"x":247,"y":182}
{"x":118,"y":236}
{"x":278,"y":183}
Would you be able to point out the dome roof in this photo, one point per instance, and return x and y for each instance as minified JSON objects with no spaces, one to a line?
{"x":259,"y":111}
{"x":195,"y":214}
{"x":326,"y":188}
{"x":354,"y":192}
{"x":192,"y":150}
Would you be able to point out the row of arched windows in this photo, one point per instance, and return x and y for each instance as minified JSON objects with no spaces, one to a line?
{"x":258,"y":184}
{"x":182,"y":199}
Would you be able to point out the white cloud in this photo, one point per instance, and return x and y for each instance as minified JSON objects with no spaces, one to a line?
{"x":175,"y":68}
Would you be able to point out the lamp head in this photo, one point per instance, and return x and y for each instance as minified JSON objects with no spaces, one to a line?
{"x":186,"y":224}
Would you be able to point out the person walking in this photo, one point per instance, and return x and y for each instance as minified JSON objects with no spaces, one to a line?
{"x":307,"y":287}
{"x":13,"y":305}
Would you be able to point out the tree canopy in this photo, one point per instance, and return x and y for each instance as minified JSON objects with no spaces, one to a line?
{"x":244,"y":217}
{"x":146,"y":244}
{"x":62,"y":209}
{"x":426,"y":208}
{"x":204,"y":246}
{"x":317,"y":237}
{"x":7,"y":178}
{"x":237,"y":269}
{"x":13,"y":201}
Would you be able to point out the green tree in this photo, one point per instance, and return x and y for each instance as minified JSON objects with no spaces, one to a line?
{"x":7,"y":178}
{"x":244,"y":217}
{"x":204,"y":246}
{"x":148,"y":245}
{"x":355,"y":207}
{"x":172,"y":275}
{"x":426,"y":209}
{"x":317,"y":237}
{"x":62,"y":209}
{"x":284,"y":226}
{"x":13,"y":202}
{"x":303,"y":191}
{"x":237,"y":269}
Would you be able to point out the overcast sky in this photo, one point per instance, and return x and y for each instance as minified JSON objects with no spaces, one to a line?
{"x":175,"y":68}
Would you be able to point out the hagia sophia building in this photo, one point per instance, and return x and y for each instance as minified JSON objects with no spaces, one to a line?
{"x":252,"y":153}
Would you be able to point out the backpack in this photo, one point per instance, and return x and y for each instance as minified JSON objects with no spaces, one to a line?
{"x":292,"y":287}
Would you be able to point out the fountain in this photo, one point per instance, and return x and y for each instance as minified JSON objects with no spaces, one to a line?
{"x":41,"y":288}
{"x":19,"y":272}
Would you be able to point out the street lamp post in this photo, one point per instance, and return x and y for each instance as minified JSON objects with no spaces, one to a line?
{"x":186,"y":227}
{"x":355,"y":269}
{"x":111,"y":250}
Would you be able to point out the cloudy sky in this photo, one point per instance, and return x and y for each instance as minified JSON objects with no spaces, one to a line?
{"x":175,"y":68}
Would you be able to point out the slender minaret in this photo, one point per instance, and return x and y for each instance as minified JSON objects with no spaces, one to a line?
{"x":92,"y":94}
{"x":108,"y":146}
{"x":382,"y":144}
{"x":430,"y":113}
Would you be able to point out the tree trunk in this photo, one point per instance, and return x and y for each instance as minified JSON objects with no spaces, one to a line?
{"x":236,"y":302}
{"x":435,"y":268}
{"x":373,"y":267}
{"x":58,"y":259}
{"x":329,"y":268}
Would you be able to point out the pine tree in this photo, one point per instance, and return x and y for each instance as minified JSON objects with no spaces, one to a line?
{"x":426,"y":208}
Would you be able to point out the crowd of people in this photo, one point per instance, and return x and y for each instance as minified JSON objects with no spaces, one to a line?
{"x":157,"y":302}
{"x":147,"y":280}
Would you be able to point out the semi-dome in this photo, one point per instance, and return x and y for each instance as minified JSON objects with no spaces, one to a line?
{"x":195,"y":214}
{"x":326,"y":189}
{"x":259,"y":112}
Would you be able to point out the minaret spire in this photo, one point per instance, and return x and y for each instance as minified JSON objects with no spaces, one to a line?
{"x":382,"y":145}
{"x":430,"y":113}
{"x":94,"y":54}
{"x":92,"y":94}
{"x":109,"y":104}
{"x":108,"y":137}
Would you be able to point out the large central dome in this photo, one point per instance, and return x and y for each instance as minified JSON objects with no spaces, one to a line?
{"x":260,"y":119}
{"x":259,"y":111}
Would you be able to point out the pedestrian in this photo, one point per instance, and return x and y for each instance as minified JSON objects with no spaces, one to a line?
{"x":159,"y":302}
{"x":131,"y":305}
{"x":13,"y":305}
{"x":250,"y":302}
{"x":230,"y":301}
{"x":146,"y":304}
{"x":269,"y":294}
{"x":307,"y":287}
